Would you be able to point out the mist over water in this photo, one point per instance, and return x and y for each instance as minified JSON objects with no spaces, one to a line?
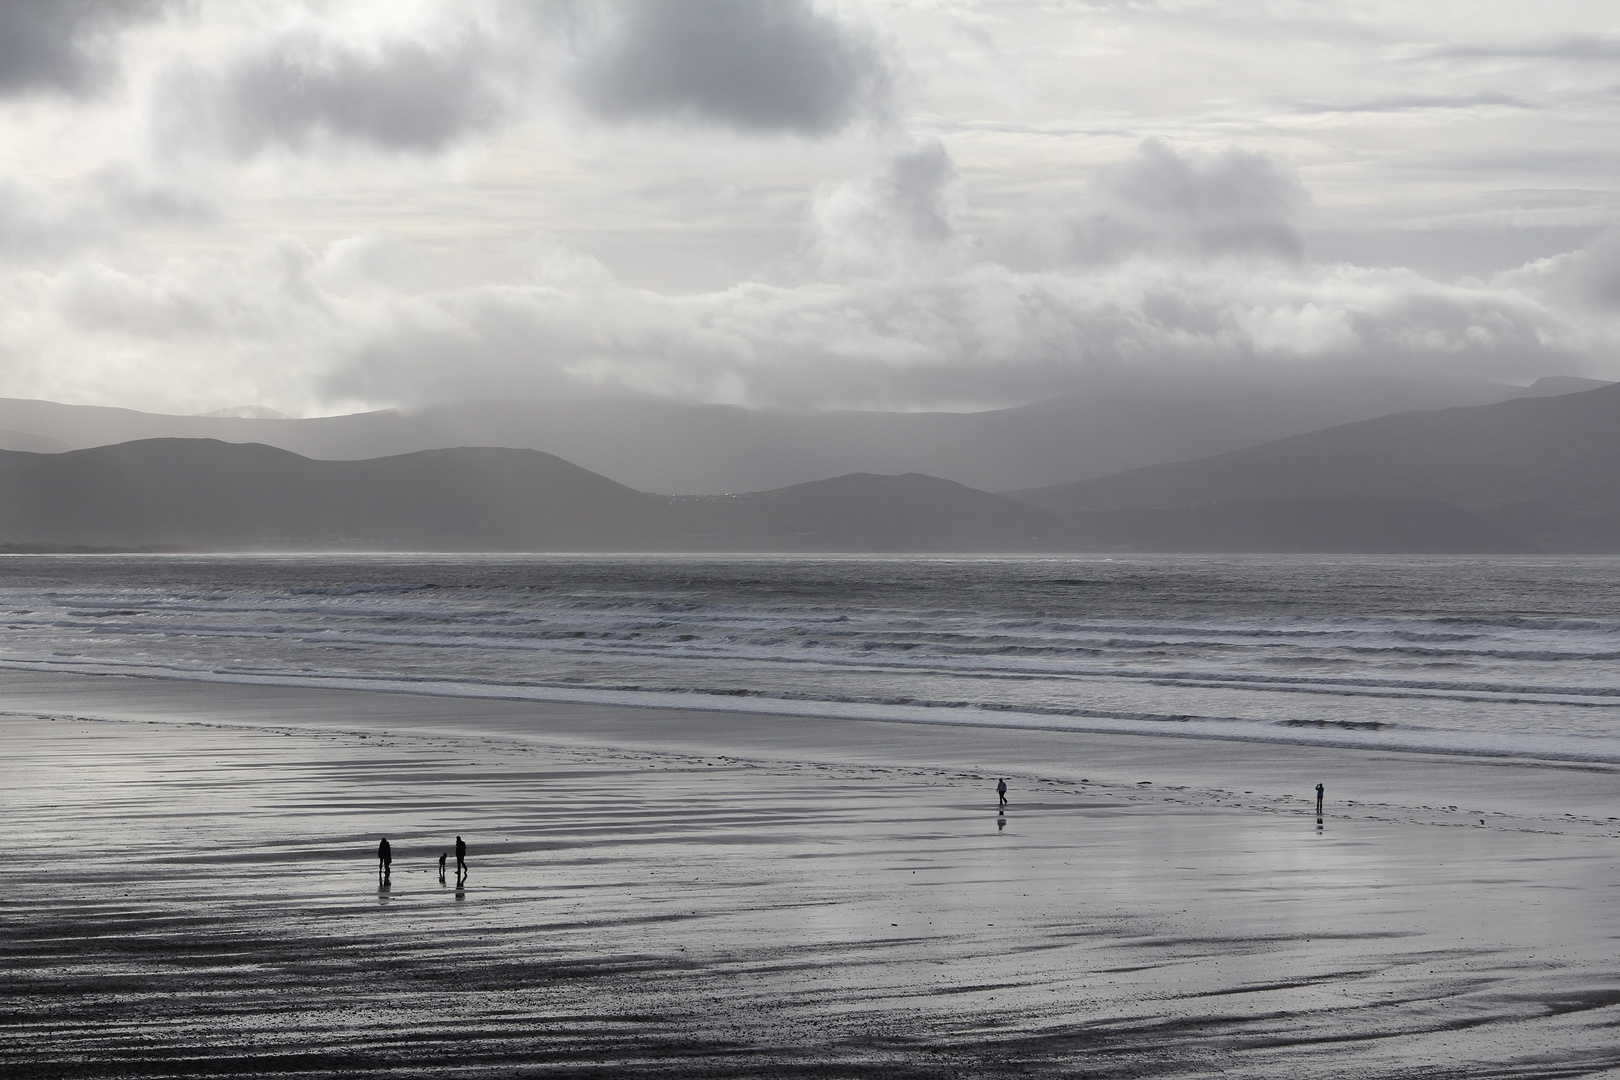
{"x":1517,"y":656}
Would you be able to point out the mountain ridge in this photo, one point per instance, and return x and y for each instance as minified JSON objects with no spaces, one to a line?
{"x":1545,"y":468}
{"x":208,"y":495}
{"x":658,"y":445}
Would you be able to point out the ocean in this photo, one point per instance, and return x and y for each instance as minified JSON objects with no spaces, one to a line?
{"x":1476,"y":656}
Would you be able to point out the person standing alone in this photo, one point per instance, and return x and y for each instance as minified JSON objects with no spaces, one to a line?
{"x":385,"y":860}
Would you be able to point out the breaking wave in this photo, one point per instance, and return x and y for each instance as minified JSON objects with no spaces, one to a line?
{"x":1478,"y":656}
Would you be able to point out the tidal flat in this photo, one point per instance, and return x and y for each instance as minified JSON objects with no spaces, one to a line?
{"x":193,"y":891}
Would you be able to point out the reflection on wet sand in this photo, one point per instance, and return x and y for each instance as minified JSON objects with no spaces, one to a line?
{"x":682,"y":917}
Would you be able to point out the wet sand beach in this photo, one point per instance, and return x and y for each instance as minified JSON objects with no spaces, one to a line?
{"x":193,"y":890}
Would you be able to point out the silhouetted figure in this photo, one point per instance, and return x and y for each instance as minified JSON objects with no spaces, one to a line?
{"x":1320,"y":791}
{"x":442,"y":856}
{"x":1001,"y":794}
{"x":385,"y":859}
{"x":461,"y":858}
{"x":1001,"y":823}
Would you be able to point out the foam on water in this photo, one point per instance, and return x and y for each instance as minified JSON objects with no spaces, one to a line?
{"x":1506,"y":656}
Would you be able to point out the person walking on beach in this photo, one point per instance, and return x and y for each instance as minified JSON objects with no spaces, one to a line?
{"x":1320,"y":791}
{"x":1001,"y":793}
{"x":385,"y":859}
{"x":442,"y":856}
{"x":461,"y":858}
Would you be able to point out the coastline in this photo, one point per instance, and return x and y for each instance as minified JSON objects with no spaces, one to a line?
{"x":679,"y":893}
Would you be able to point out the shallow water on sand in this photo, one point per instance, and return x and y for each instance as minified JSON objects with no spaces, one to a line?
{"x":203,"y":898}
{"x":1497,"y":656}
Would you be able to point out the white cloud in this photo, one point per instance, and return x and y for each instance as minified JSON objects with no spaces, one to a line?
{"x":901,"y":220}
{"x":1589,"y":278}
{"x":376,"y":217}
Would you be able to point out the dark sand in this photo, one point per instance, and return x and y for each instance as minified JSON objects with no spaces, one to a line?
{"x":192,"y":890}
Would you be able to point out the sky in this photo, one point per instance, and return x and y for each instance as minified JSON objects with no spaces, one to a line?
{"x":338,"y":205}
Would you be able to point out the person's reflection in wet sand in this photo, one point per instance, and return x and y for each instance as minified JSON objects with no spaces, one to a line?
{"x":1001,"y":822}
{"x":385,"y":862}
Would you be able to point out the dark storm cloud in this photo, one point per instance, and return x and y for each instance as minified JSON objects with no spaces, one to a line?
{"x":61,"y":45}
{"x":301,"y":87}
{"x":755,"y":67}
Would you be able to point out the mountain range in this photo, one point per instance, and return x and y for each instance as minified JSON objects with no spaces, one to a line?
{"x":673,"y":448}
{"x":1535,"y":473}
{"x":1543,"y":471}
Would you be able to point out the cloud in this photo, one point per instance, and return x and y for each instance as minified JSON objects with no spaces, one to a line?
{"x":44,"y":225}
{"x":1596,"y":48}
{"x":62,"y":45}
{"x":308,"y":331}
{"x":305,"y":87}
{"x":1231,"y":203}
{"x":981,"y":335}
{"x":34,"y":223}
{"x":901,"y":219}
{"x":1161,"y":202}
{"x":1405,"y":103}
{"x":904,"y":311}
{"x":1588,"y":278}
{"x":783,"y":66}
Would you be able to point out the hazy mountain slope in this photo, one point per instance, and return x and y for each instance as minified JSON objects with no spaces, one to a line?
{"x":210,"y":495}
{"x":204,"y":494}
{"x":1555,"y":385}
{"x":1543,"y":467}
{"x":863,"y":512}
{"x":659,"y":445}
{"x":31,"y":443}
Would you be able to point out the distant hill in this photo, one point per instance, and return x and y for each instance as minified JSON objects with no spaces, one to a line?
{"x":669,"y":447}
{"x":202,"y":494}
{"x":1555,"y":385}
{"x":1542,"y":470}
{"x":206,"y":495}
{"x":197,"y":494}
{"x":864,"y":512}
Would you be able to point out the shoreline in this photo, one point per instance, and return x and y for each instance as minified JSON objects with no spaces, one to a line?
{"x":947,"y":716}
{"x":1559,"y":794}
